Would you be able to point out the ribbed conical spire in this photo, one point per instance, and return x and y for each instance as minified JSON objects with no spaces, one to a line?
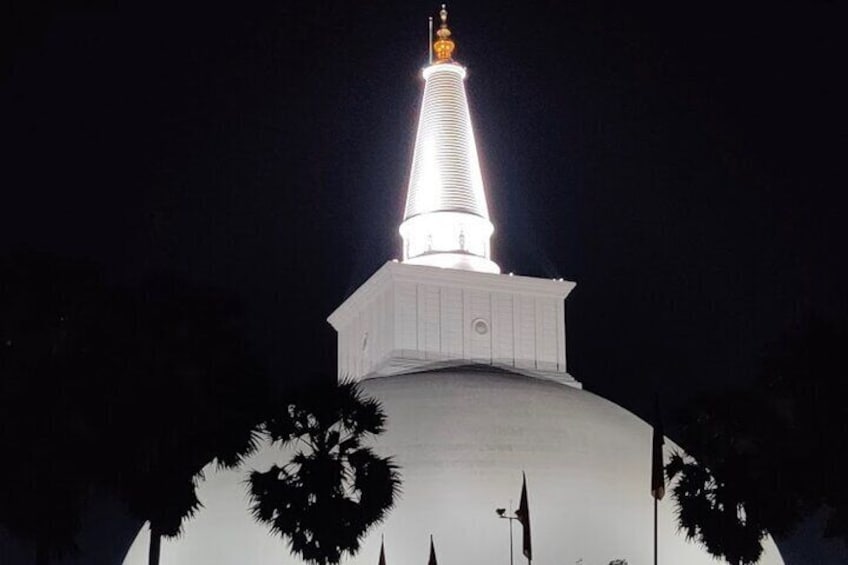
{"x":446,"y":222}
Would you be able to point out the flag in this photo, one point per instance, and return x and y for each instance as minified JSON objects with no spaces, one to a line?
{"x":523,"y":515}
{"x":432,"y":560}
{"x":657,"y":464}
{"x":382,"y":553}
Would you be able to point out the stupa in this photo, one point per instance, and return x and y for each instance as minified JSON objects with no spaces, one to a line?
{"x":470,"y":365}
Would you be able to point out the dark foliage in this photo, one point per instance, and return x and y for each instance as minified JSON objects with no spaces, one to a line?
{"x":335,"y":487}
{"x":763,"y":458}
{"x":193,"y":397}
{"x":49,"y":334}
{"x":134,"y":390}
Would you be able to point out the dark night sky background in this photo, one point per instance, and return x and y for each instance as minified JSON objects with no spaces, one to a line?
{"x":685,"y":167}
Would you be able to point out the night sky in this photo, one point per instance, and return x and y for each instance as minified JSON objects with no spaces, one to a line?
{"x":686,"y":168}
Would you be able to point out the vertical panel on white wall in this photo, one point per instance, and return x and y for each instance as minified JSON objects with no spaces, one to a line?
{"x":546,"y":341}
{"x":420,"y":346}
{"x":466,"y":323}
{"x":451,"y":322}
{"x":526,"y":350}
{"x":380,"y":329}
{"x":516,"y":329}
{"x":364,"y":326}
{"x":356,"y":365}
{"x":503,"y":350}
{"x":344,"y":331}
{"x":480,"y":304}
{"x":405,"y":310}
{"x":373,"y":348}
{"x":430,"y":316}
{"x":350,"y":353}
{"x":389,"y":320}
{"x":561,"y":365}
{"x":363,"y":351}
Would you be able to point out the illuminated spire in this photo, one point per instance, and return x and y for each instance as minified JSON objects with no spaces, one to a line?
{"x":446,"y":222}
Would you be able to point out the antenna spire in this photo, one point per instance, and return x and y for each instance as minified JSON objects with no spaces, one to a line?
{"x":430,"y":43}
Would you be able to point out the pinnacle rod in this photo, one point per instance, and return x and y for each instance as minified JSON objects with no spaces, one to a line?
{"x":430,"y":44}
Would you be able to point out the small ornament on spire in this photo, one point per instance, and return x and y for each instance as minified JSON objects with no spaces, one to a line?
{"x":444,"y":46}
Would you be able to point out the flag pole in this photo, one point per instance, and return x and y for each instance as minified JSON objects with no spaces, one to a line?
{"x":510,"y":541}
{"x":657,"y":470}
{"x":510,"y":533}
{"x":501,"y":512}
{"x":656,"y":504}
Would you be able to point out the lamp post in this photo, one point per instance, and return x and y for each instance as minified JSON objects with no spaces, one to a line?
{"x":501,"y":512}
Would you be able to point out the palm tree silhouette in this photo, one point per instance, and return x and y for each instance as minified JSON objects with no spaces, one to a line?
{"x":46,"y":333}
{"x":198,"y":398}
{"x":132,"y":391}
{"x":334,"y":488}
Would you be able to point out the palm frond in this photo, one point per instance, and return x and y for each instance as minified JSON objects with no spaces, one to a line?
{"x":334,"y":489}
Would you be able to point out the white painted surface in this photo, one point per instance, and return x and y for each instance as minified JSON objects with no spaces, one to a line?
{"x":449,"y":317}
{"x":463,"y":438}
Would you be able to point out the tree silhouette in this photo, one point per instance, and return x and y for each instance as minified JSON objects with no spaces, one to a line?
{"x":134,"y":390}
{"x":196,"y":397}
{"x":764,"y":457}
{"x":335,"y":487}
{"x":48,"y":337}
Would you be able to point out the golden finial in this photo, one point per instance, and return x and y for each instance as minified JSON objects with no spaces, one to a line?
{"x":444,"y":46}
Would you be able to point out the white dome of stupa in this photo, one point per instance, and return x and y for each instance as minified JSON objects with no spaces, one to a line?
{"x":462,"y":438}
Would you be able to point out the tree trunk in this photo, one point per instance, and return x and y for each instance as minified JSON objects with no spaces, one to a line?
{"x":155,"y":545}
{"x":41,"y":555}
